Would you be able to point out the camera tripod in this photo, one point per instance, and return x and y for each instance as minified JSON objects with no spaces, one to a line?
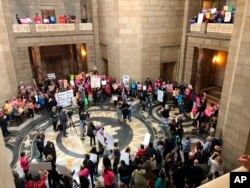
{"x":71,"y":124}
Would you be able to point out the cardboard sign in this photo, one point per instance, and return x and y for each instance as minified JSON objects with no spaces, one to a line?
{"x":95,"y":82}
{"x":64,"y":98}
{"x":160,"y":95}
{"x":51,"y":76}
{"x":65,"y":83}
{"x":146,"y":139}
{"x":125,"y":157}
{"x":63,"y":170}
{"x":78,"y":76}
{"x":35,"y":167}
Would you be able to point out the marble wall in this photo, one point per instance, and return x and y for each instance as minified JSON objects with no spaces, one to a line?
{"x":134,"y":32}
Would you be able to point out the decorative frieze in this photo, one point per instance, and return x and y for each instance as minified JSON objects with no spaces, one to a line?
{"x":21,"y":28}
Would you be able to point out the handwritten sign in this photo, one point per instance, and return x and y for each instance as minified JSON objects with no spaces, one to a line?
{"x":65,"y":98}
{"x":160,"y":95}
{"x":95,"y":82}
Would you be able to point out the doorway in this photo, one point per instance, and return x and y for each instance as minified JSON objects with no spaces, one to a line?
{"x":105,"y":66}
{"x":167,"y":71}
{"x":54,"y":65}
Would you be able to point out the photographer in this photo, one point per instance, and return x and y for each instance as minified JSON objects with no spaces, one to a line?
{"x":63,"y":121}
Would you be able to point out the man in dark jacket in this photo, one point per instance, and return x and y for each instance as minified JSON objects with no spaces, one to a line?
{"x":63,"y":121}
{"x":91,"y":167}
{"x":49,"y":149}
{"x":195,"y":175}
{"x":4,"y":124}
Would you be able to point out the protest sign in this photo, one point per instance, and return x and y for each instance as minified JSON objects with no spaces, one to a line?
{"x":35,"y":167}
{"x":65,"y":98}
{"x":146,"y":139}
{"x":144,"y":88}
{"x":63,"y":170}
{"x":160,"y":95}
{"x":110,"y":141}
{"x":228,"y":16}
{"x":95,"y":82}
{"x":93,"y":157}
{"x":125,"y":80}
{"x":51,"y":76}
{"x":100,"y":138}
{"x":104,"y":82}
{"x":125,"y":157}
{"x":200,"y":18}
{"x":114,"y":98}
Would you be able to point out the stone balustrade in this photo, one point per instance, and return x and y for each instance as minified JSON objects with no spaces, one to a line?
{"x":27,"y":28}
{"x":219,"y":28}
{"x":212,"y":28}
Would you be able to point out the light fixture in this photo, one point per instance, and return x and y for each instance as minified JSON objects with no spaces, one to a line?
{"x":216,"y":59}
{"x":83,"y":52}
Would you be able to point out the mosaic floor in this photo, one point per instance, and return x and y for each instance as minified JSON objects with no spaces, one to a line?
{"x":70,"y":150}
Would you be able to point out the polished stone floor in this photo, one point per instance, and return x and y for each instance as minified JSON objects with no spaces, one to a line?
{"x":70,"y":150}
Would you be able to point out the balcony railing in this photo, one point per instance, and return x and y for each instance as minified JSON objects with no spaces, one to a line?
{"x":27,"y":28}
{"x":212,"y":28}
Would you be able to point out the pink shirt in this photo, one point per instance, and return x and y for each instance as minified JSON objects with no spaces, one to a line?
{"x":24,"y":162}
{"x":84,"y":172}
{"x":108,"y":178}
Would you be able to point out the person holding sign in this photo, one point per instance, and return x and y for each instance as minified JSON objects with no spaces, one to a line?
{"x":123,"y":170}
{"x":165,"y":115}
{"x":91,"y":132}
{"x":24,"y":162}
{"x":83,"y":176}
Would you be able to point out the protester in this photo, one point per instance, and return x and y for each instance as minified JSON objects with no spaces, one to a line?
{"x":19,"y":181}
{"x":63,"y":121}
{"x":54,"y":117}
{"x":108,"y":178}
{"x":24,"y":162}
{"x":40,"y":143}
{"x":4,"y":124}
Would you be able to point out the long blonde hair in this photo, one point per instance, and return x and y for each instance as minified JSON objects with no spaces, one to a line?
{"x":219,"y":160}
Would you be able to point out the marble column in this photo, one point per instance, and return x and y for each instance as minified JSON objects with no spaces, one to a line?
{"x":79,"y":57}
{"x":199,"y":71}
{"x":38,"y":64}
{"x":71,"y":59}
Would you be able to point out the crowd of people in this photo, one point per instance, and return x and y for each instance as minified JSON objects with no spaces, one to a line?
{"x":168,"y":162}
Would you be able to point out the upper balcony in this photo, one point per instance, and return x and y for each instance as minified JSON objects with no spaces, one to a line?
{"x":212,"y":30}
{"x":44,"y":29}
